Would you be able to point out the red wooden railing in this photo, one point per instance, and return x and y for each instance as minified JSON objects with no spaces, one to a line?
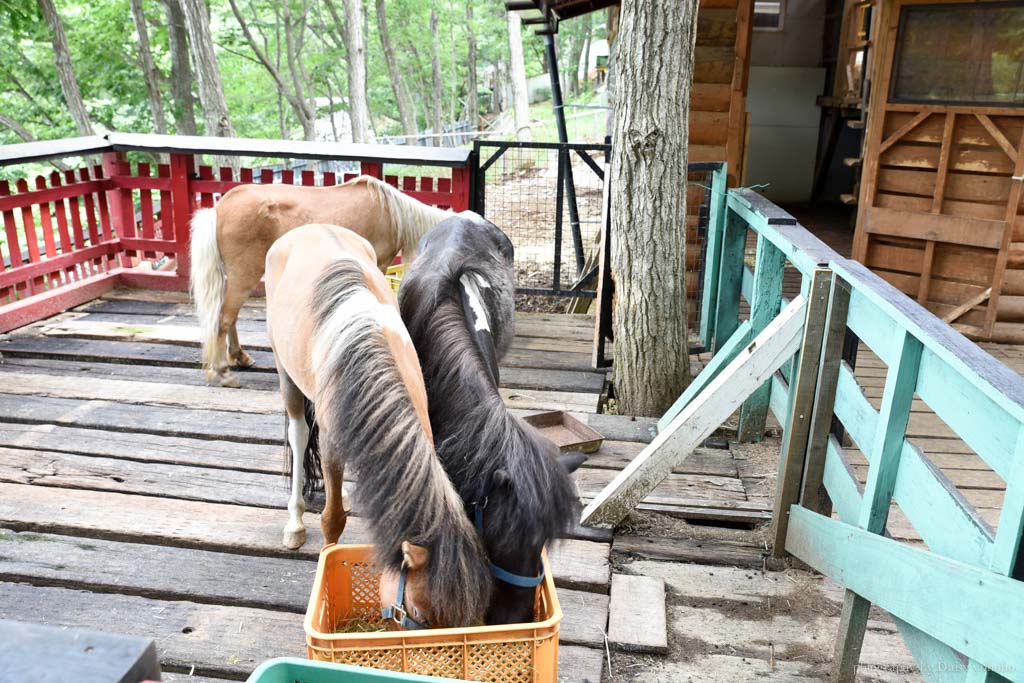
{"x":72,"y":236}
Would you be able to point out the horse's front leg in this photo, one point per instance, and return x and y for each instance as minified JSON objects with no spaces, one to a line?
{"x":298,"y":439}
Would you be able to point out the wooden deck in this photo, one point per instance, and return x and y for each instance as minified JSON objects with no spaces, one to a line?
{"x":134,"y":498}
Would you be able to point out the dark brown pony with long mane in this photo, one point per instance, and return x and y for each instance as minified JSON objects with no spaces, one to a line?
{"x":457,"y":302}
{"x":342,"y":350}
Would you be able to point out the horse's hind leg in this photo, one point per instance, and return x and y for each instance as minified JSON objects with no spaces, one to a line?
{"x":238,"y":291}
{"x":298,"y":440}
{"x":335,"y":514}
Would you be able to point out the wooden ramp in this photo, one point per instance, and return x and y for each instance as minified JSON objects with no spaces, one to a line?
{"x":135,"y":498}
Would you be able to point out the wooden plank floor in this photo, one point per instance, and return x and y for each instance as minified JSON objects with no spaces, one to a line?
{"x":133,"y":497}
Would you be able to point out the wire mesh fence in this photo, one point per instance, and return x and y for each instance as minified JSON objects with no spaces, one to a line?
{"x":547,"y":197}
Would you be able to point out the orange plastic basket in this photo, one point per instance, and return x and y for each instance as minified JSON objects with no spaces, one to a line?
{"x":346,"y":587}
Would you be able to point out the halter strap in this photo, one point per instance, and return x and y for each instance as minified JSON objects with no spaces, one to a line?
{"x":501,"y":574}
{"x":397,"y":611}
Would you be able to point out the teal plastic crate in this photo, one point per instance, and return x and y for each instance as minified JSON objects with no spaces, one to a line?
{"x":294,"y":670}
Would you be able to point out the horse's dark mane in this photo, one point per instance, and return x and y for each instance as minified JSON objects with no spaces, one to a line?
{"x":364,"y":408}
{"x":475,"y":433}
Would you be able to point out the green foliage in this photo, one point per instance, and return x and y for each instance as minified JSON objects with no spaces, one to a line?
{"x":104,"y":52}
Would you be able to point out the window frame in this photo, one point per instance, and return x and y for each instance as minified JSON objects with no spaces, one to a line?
{"x":769,"y":29}
{"x":907,"y":8}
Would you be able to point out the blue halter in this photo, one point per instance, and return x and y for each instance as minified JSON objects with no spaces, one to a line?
{"x":397,"y":612}
{"x":499,"y":573}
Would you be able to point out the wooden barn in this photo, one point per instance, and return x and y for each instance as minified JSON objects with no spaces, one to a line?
{"x":912,"y":111}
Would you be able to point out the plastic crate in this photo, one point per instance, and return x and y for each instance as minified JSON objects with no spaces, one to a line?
{"x":347,"y":587}
{"x":292,"y":670}
{"x":394,"y":275}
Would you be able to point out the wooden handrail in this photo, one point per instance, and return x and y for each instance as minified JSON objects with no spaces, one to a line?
{"x":185,"y":144}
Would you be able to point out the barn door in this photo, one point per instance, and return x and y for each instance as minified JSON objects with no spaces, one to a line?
{"x":940,"y":203}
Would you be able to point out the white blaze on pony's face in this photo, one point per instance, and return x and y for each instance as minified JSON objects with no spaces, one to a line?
{"x":471,"y":286}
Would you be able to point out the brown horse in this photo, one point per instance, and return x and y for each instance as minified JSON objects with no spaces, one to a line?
{"x":230,"y":243}
{"x":341,"y":348}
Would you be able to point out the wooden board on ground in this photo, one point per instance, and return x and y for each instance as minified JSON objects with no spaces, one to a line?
{"x":636,"y":614}
{"x":223,"y":528}
{"x":180,"y":365}
{"x":719,"y":552}
{"x":47,"y":654}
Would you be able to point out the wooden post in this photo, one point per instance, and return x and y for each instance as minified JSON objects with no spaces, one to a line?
{"x":460,"y":188}
{"x":122,"y":209}
{"x":730,"y":279}
{"x":1008,"y":548}
{"x":812,"y":494}
{"x":886,"y":447}
{"x":803,"y":383}
{"x":713,"y":255}
{"x":182,"y":206}
{"x":768,"y":272}
{"x":603,"y":324}
{"x":372,"y":168}
{"x":755,"y":364}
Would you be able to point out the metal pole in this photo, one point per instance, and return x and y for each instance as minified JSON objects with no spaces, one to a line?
{"x":563,"y":137}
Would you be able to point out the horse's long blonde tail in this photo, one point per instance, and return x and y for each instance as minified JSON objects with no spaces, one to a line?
{"x":208,"y":282}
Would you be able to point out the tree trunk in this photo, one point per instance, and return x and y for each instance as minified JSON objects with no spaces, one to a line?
{"x":65,"y":70}
{"x":149,"y":71}
{"x":355,"y":42}
{"x":211,"y":90}
{"x":472,"y":103}
{"x":517,"y":74}
{"x":589,"y":37}
{"x":181,"y":70}
{"x":405,"y":111}
{"x":437,"y":93}
{"x":654,"y":68}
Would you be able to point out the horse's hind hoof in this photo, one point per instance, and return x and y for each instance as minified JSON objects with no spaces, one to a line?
{"x":244,"y":360}
{"x":229,"y":381}
{"x":293,"y":540}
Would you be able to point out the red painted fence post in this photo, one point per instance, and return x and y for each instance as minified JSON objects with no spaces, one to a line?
{"x":122,"y":208}
{"x":372,"y":168}
{"x":183,"y":202}
{"x":460,"y":189}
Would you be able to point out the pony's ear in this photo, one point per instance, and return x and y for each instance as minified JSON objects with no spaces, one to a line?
{"x":501,"y":478}
{"x":571,"y":461}
{"x":414,"y":556}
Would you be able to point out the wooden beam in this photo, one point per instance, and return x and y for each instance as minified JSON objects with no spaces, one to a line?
{"x":886,"y":449}
{"x":903,"y":130}
{"x":813,"y":495}
{"x":801,"y":405}
{"x":751,"y":368}
{"x":998,"y":136}
{"x":960,"y":310}
{"x":978,"y":610}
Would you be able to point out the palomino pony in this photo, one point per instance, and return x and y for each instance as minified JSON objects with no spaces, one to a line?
{"x":340,"y":344}
{"x":230,"y":243}
{"x":457,"y":301}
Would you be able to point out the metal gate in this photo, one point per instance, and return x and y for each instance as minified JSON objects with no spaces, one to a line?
{"x":531,"y":190}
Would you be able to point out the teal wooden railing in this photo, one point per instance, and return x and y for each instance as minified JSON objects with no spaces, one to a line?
{"x":954,"y":598}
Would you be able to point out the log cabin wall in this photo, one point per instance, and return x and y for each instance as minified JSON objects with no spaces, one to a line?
{"x":718,"y":119}
{"x":940,"y":211}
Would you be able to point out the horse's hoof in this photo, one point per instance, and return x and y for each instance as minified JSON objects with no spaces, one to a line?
{"x":229,"y":381}
{"x":293,"y":540}
{"x":244,"y":360}
{"x":346,"y":501}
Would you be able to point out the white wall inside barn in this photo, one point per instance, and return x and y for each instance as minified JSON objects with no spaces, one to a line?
{"x":786,"y":77}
